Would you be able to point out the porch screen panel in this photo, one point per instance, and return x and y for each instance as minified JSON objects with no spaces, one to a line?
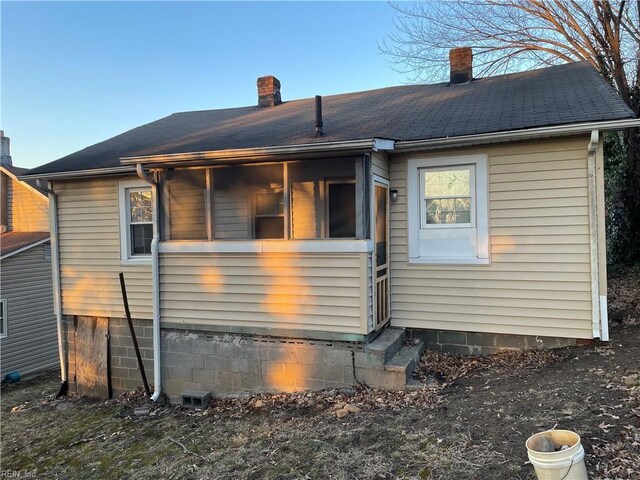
{"x":311,"y":184}
{"x":187,"y":200}
{"x":248,"y":202}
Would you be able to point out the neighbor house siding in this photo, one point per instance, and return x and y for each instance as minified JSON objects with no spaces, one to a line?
{"x":320,"y":292}
{"x":9,"y":202}
{"x":538,"y":282}
{"x":89,"y":233}
{"x":29,"y":209}
{"x":31,"y":342}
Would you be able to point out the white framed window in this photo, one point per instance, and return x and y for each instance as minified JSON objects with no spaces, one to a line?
{"x":136,"y":221}
{"x":3,"y":319}
{"x":447,"y":208}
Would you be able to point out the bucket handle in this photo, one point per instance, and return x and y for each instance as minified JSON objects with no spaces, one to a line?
{"x":566,"y":474}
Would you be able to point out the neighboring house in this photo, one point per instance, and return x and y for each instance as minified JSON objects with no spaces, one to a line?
{"x":28,"y":340}
{"x":269,"y":247}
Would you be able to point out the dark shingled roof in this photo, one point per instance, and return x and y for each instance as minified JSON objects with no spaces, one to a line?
{"x":12,"y":241}
{"x":564,"y":94}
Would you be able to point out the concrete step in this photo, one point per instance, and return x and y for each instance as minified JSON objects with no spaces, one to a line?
{"x":395,"y":374}
{"x":383,"y":348}
{"x":406,"y":359}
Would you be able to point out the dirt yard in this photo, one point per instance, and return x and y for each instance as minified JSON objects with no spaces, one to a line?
{"x":471,"y":422}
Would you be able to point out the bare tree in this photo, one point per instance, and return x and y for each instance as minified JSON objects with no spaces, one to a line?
{"x":513,"y":35}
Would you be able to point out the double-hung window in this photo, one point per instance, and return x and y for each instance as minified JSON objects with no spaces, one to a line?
{"x":269,"y":213}
{"x":448,"y":196}
{"x":136,"y":221}
{"x":448,"y":220}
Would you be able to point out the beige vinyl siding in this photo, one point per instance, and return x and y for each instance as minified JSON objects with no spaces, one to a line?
{"x":317,"y":292}
{"x":29,"y":209}
{"x":9,"y":201}
{"x":89,"y":233}
{"x":538,"y":282}
{"x":231,"y":215}
{"x":31,"y":342}
{"x":380,"y":164}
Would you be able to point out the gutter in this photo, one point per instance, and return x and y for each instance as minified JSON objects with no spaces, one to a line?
{"x":374,"y":144}
{"x":55,"y":278}
{"x":514,"y":135}
{"x":155,"y":280}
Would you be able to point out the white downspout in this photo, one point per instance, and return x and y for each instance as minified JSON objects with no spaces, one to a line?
{"x":155,"y":280}
{"x":596,"y":313}
{"x":55,"y":279}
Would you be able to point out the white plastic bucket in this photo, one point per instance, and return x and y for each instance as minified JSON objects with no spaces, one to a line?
{"x":565,"y":464}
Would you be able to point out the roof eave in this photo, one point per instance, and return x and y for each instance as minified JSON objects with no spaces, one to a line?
{"x":262,"y":153}
{"x":515,"y":135}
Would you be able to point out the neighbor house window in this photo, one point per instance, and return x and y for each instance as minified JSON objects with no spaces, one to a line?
{"x":136,"y":221}
{"x":447,"y":210}
{"x":3,"y":318}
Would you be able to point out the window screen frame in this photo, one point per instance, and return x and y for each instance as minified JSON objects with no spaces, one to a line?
{"x":424,"y":197}
{"x":326,"y":217}
{"x":126,"y":250}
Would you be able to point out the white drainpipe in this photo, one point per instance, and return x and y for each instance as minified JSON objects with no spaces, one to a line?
{"x":55,"y":278}
{"x":155,"y":279}
{"x":598,"y":302}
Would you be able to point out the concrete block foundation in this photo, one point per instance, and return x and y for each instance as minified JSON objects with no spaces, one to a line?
{"x":472,"y":343}
{"x":231,"y":364}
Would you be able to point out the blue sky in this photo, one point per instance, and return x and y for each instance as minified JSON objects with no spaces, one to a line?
{"x":76,"y":73}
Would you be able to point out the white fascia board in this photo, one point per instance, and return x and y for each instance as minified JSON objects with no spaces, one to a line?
{"x":253,"y":153}
{"x":514,"y":135}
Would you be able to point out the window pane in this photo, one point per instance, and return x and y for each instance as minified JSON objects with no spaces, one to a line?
{"x":2,"y":315}
{"x":141,"y":236}
{"x":140,"y":205}
{"x":448,"y":210}
{"x":269,"y":227}
{"x":342,"y":210}
{"x":270,"y":203}
{"x":447,"y":183}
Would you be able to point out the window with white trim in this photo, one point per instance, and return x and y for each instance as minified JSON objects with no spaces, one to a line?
{"x":3,"y":318}
{"x":136,"y":221}
{"x":447,"y":210}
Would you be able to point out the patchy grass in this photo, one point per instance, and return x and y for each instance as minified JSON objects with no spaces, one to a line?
{"x":470,"y":424}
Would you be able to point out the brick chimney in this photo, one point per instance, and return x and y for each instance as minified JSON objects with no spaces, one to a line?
{"x":268,"y":91}
{"x":461,"y":65}
{"x":5,"y":154}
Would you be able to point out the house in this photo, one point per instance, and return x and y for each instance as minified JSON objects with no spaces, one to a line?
{"x":28,"y":336}
{"x":295,"y":244}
